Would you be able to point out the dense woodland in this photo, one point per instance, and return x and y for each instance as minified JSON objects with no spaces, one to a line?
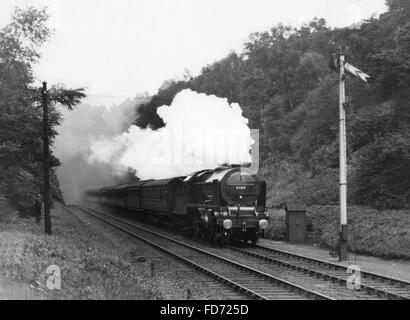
{"x":21,"y":147}
{"x":285,"y":86}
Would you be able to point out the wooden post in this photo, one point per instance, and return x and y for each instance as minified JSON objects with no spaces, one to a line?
{"x":46,"y":162}
{"x":343,"y":235}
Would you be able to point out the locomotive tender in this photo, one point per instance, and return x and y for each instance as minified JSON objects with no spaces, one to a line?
{"x":227,"y":203}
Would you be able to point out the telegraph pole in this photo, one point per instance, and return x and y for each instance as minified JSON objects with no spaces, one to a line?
{"x":46,"y":162}
{"x":343,"y":231}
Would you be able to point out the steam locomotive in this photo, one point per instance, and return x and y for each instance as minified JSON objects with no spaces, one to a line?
{"x":227,"y":203}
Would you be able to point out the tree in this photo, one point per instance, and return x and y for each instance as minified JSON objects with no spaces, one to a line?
{"x":397,"y":4}
{"x":383,"y":172}
{"x":285,"y":88}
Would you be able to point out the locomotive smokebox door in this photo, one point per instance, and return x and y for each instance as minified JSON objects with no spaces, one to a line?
{"x":295,"y":223}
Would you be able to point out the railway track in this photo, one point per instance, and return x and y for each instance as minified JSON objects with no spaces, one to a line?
{"x":246,"y":280}
{"x":371,"y":284}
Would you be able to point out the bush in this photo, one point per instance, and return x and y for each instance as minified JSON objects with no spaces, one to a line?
{"x":322,"y":189}
{"x":384,"y":234}
{"x":288,"y":182}
{"x":7,"y":212}
{"x":277,"y":226}
{"x":382,"y":178}
{"x":282,"y":178}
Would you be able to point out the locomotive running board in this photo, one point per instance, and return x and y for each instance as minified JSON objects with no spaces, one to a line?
{"x":193,"y":205}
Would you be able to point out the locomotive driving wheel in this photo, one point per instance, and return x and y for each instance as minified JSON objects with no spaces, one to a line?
{"x":212,"y":234}
{"x":204,"y":232}
{"x":197,"y":231}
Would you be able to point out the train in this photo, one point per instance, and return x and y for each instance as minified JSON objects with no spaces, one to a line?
{"x":220,"y":205}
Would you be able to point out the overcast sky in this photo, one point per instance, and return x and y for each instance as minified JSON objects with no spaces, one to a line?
{"x":120,"y":48}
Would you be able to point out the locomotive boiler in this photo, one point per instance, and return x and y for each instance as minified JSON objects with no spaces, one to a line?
{"x":227,"y":203}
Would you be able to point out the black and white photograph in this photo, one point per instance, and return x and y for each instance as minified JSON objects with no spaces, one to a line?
{"x":201,"y":155}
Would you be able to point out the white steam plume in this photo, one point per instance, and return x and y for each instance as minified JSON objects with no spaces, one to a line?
{"x":201,"y":132}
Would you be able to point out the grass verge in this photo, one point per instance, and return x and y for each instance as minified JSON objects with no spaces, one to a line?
{"x":90,"y":267}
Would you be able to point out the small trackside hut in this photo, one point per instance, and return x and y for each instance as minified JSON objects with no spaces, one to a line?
{"x":295,"y":223}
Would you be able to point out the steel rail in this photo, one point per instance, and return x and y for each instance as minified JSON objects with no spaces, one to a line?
{"x":324,"y":275}
{"x":235,"y":285}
